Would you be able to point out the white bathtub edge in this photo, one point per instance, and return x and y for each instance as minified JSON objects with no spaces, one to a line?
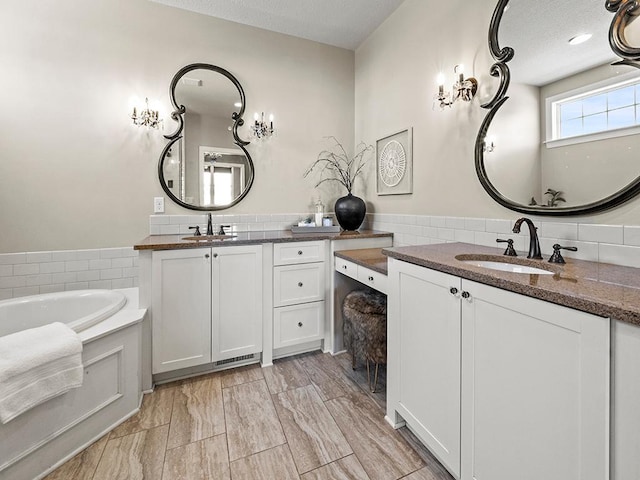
{"x":130,"y":314}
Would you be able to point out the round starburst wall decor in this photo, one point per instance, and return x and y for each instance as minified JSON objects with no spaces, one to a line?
{"x":392,"y":164}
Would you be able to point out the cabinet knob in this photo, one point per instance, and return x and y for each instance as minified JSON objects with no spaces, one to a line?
{"x":299,"y":324}
{"x":466,"y":295}
{"x":371,"y":279}
{"x":299,"y":252}
{"x":453,"y":291}
{"x":215,"y":255}
{"x":344,"y":267}
{"x":299,"y":284}
{"x":206,"y":255}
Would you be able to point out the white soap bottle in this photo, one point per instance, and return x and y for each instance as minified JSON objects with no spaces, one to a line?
{"x":319,"y":213}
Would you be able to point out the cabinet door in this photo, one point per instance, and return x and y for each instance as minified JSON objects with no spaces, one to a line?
{"x":535,"y":391}
{"x":181,"y":308}
{"x":424,"y":357}
{"x":236,"y":301}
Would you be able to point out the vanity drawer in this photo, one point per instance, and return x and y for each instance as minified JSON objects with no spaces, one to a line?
{"x":298,"y":324}
{"x":298,"y":284}
{"x":375,"y":280}
{"x":298,"y":252}
{"x":347,"y":268}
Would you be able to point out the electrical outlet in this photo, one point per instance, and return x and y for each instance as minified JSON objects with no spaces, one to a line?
{"x":158,"y":205}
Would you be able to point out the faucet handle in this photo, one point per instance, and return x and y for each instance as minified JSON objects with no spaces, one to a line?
{"x":557,"y":257}
{"x":510,"y":251}
{"x":222,"y":227}
{"x":197,"y":231}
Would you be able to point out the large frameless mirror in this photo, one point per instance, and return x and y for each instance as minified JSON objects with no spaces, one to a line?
{"x":562,"y":133}
{"x":205,"y":165}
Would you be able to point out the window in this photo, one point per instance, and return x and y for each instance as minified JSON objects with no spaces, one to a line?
{"x":594,"y":113}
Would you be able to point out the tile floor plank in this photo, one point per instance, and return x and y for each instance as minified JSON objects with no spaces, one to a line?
{"x":285,"y":374}
{"x":155,"y":411}
{"x":313,"y":436}
{"x":251,"y":419}
{"x":206,"y":459}
{"x":327,"y":376}
{"x":382,"y":452}
{"x":422,"y":474}
{"x":138,"y":456}
{"x":198,"y":412}
{"x":240,"y":375}
{"x":272,"y":464}
{"x":347,"y":468}
{"x":83,"y":465}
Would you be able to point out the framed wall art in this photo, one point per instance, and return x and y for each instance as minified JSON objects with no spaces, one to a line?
{"x":394,"y":163}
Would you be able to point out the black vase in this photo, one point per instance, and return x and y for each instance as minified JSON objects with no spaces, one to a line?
{"x":350,"y":212}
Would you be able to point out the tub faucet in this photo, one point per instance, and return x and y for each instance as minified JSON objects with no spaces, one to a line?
{"x":209,"y":225}
{"x":534,"y":243}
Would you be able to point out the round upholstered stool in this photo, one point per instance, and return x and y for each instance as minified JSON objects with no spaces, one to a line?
{"x":365,"y":329}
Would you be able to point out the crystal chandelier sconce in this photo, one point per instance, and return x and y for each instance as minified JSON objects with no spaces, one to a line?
{"x":260,"y":129}
{"x":489,"y":144}
{"x":147,"y":117}
{"x":464,"y":89}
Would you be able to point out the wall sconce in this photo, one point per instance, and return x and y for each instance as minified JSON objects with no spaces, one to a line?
{"x":147,"y":117}
{"x":489,"y":144}
{"x":260,"y":129}
{"x":464,"y":89}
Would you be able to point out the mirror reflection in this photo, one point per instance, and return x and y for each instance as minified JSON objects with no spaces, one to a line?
{"x":205,"y":165}
{"x":568,"y":135}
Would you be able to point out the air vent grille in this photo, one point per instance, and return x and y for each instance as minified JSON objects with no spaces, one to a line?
{"x":235,"y":359}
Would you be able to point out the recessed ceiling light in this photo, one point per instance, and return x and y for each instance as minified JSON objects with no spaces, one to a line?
{"x":578,"y":39}
{"x":237,"y":104}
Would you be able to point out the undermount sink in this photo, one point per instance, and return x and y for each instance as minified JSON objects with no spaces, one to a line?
{"x":514,"y":265}
{"x":208,"y":238}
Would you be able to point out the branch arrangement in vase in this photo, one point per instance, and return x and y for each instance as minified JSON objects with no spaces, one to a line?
{"x":339,"y":167}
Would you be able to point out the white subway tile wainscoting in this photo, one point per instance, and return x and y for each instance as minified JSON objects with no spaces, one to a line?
{"x":31,"y":273}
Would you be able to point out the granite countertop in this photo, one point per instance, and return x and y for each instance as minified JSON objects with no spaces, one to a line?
{"x":599,"y":288}
{"x":372,"y":258}
{"x":172,"y":242}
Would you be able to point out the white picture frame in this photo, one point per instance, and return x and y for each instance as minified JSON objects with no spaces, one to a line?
{"x":394,"y":163}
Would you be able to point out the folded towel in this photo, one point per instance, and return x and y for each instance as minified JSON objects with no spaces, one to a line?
{"x":37,"y":365}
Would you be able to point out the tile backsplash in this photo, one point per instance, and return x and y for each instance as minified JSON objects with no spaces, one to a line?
{"x":31,"y":273}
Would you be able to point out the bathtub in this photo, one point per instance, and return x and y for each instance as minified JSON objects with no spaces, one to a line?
{"x":79,"y":309}
{"x":109,"y":324}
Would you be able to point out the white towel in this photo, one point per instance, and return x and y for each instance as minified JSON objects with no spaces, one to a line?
{"x":37,"y":365}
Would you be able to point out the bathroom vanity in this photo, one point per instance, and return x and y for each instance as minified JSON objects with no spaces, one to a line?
{"x":508,"y":375}
{"x":246,"y":297}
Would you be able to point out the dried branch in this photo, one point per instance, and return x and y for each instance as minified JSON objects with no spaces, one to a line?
{"x":339,"y":167}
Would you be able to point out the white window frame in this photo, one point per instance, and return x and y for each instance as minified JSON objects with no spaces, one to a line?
{"x":552,"y":120}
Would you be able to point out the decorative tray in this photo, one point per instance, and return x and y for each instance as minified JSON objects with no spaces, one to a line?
{"x":332,"y":229}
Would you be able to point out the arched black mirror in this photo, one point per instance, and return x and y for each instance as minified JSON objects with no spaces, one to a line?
{"x":205,"y":165}
{"x":562,"y":135}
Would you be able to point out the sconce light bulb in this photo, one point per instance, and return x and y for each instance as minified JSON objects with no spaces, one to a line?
{"x":271,"y":117}
{"x":440,"y":79}
{"x":256,"y":117}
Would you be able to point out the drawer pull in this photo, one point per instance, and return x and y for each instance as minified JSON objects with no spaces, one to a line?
{"x":299,"y":324}
{"x":299,"y":252}
{"x":299,"y":284}
{"x":371,"y":279}
{"x":344,"y":267}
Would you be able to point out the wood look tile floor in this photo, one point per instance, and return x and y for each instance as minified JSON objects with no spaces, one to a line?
{"x":308,"y":417}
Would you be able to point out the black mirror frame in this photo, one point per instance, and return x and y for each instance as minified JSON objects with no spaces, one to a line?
{"x":177,"y":115}
{"x":625,"y":12}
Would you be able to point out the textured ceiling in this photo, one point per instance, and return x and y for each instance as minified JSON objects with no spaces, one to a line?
{"x":342,"y":23}
{"x":539,"y":32}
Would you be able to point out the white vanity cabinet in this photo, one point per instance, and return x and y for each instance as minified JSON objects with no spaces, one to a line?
{"x":298,"y":293}
{"x":497,"y":385}
{"x":206,"y":305}
{"x":181,"y":308}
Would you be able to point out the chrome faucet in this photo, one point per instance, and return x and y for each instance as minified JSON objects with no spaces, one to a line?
{"x":534,"y":243}
{"x":209,"y":225}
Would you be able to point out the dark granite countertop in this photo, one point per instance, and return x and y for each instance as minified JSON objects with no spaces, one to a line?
{"x":372,"y":258}
{"x":172,"y":242}
{"x":598,"y":288}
